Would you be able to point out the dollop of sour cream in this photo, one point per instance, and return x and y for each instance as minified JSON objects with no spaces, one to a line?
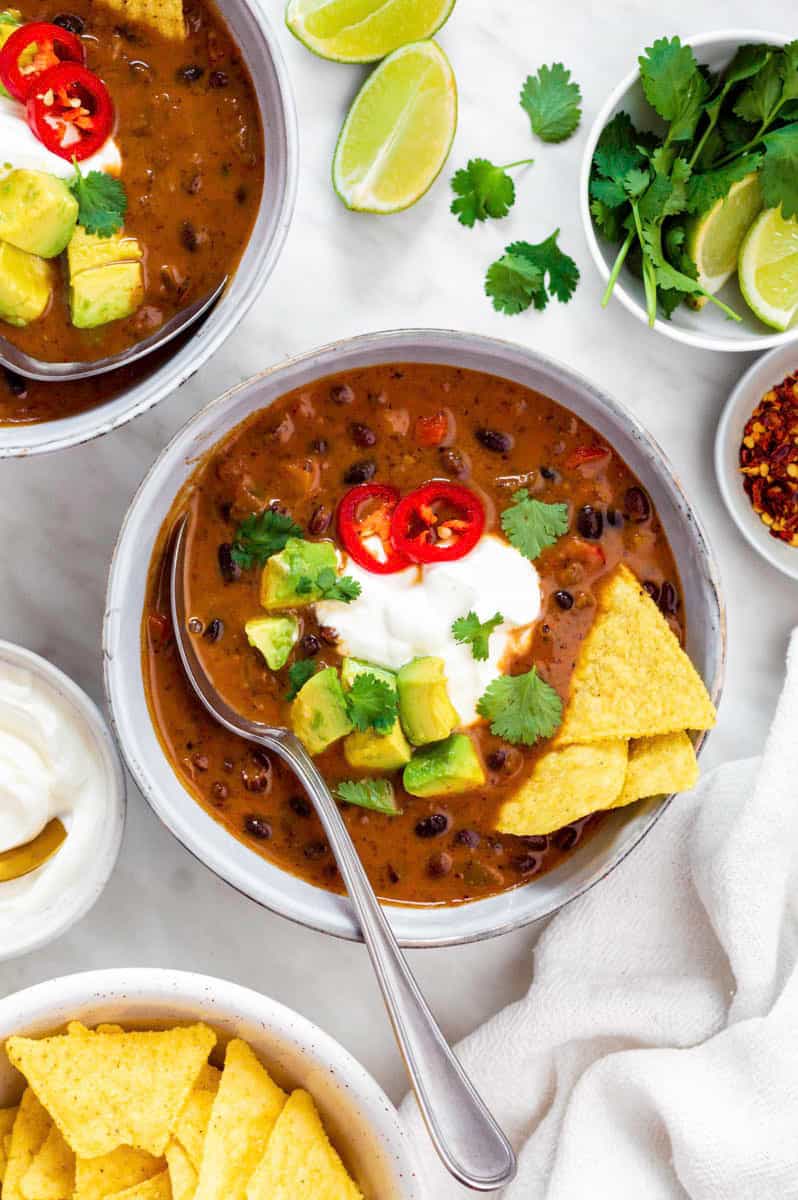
{"x":49,"y":767}
{"x":20,"y":148}
{"x":410,"y":614}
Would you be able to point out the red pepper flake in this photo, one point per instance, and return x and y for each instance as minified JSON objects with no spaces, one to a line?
{"x":769,"y":460}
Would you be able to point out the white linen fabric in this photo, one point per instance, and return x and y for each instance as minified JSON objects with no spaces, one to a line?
{"x":655,"y":1055}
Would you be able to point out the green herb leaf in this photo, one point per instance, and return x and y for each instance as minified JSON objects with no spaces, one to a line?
{"x":521,"y":708}
{"x":513,"y":282}
{"x":553,"y":103}
{"x":372,"y":703}
{"x":470,"y":629}
{"x":707,"y":188}
{"x":261,"y":535}
{"x":531,"y":525}
{"x":780,"y":171}
{"x":483,"y":190}
{"x":298,"y":675}
{"x":674,"y":86}
{"x":102,"y":202}
{"x":376,"y":794}
{"x":329,"y":586}
{"x":562,"y":271}
{"x":761,"y":96}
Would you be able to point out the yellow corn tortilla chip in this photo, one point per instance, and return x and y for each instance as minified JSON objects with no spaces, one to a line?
{"x":208,"y":1078}
{"x":7,"y":1118}
{"x":110,"y":1089}
{"x":567,"y":782}
{"x":51,"y":1175}
{"x":157,"y":1188}
{"x":123,"y":1168}
{"x":192,"y":1124}
{"x":165,"y":16}
{"x":28,"y":1135}
{"x":658,"y":766}
{"x":300,"y":1163}
{"x":244,"y":1111}
{"x":182,"y":1175}
{"x":632,"y":678}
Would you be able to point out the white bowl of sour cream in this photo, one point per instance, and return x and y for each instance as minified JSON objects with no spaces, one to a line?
{"x":57,"y":760}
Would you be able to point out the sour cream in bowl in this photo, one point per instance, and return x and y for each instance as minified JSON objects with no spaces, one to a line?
{"x":62,"y":802}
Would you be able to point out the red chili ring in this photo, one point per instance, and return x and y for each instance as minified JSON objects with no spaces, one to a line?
{"x":350,"y":534}
{"x":409,"y":511}
{"x":65,"y":45}
{"x":45,"y":108}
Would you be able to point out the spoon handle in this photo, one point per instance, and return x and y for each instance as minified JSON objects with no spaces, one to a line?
{"x":467,"y":1138}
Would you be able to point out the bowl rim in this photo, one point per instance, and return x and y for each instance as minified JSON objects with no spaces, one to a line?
{"x":225,"y":1001}
{"x":725,"y":451}
{"x":452,"y":341}
{"x":93,"y":883}
{"x":212,"y":333}
{"x":686,"y":336}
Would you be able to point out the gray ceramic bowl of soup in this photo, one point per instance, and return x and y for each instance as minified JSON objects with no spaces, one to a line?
{"x":618,"y":833}
{"x":259,"y":48}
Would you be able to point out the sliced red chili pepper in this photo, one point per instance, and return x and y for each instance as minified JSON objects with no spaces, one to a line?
{"x":431,"y":431}
{"x":439,"y":522}
{"x":366,"y":512}
{"x":589,"y":553}
{"x":71,"y":111}
{"x":34,"y":49}
{"x":586,"y":454}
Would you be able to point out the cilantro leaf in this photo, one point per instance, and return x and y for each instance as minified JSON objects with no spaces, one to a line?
{"x":469,"y":629}
{"x":483,"y":190}
{"x":102,"y":202}
{"x":512,"y":282}
{"x":376,"y":794}
{"x":779,"y":176}
{"x":298,"y":675}
{"x":707,"y":188}
{"x":674,"y":86}
{"x":521,"y":708}
{"x":531,"y":525}
{"x":329,"y":586}
{"x":607,"y":219}
{"x":371,"y":703}
{"x":761,"y":96}
{"x":562,"y":271}
{"x":261,"y":535}
{"x":552,"y":102}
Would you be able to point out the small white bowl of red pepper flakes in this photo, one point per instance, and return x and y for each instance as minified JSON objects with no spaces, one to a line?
{"x":756,"y":457}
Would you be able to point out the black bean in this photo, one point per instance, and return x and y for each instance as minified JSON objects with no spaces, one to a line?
{"x":188,"y":236}
{"x":453,"y":461}
{"x":255,"y":781}
{"x":228,"y":764}
{"x":320,"y":445}
{"x":320,"y":520}
{"x":652,"y":589}
{"x":328,"y":635}
{"x":191,"y":73}
{"x":310,"y":645}
{"x":241,"y":194}
{"x":220,"y":790}
{"x":547,"y":473}
{"x":17,"y":384}
{"x":393,"y":874}
{"x":258,"y":827}
{"x":218,"y":79}
{"x":432,"y":826}
{"x":467,"y":837}
{"x":564,"y":599}
{"x":565,"y":839}
{"x":315,"y":849}
{"x":440,"y":865}
{"x":536,"y":842}
{"x":227,"y":564}
{"x":614,"y":517}
{"x":214,"y":630}
{"x":362,"y":435}
{"x":200,"y":761}
{"x":494,"y":439}
{"x":361,"y":472}
{"x":195,"y":625}
{"x":668,"y":599}
{"x":527,"y":864}
{"x":341,"y":393}
{"x":300,"y":805}
{"x":637,"y":506}
{"x":71,"y":22}
{"x":590,"y":523}
{"x":260,"y":756}
{"x":496,"y":759}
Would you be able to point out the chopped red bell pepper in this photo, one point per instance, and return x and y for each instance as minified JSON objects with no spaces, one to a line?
{"x":431,"y":431}
{"x":586,"y":454}
{"x":438,"y":522}
{"x":34,"y":49}
{"x":365,"y":512}
{"x":589,"y":553}
{"x":70,"y":111}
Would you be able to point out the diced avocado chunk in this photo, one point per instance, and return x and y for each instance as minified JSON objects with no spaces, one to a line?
{"x":87,"y":250}
{"x":372,"y":751}
{"x":104,"y":294}
{"x":352,"y":667}
{"x":425,"y":710}
{"x":37,"y":212}
{"x":10,"y":19}
{"x":319,"y":715}
{"x":275,"y":637}
{"x":283,"y":571}
{"x":25,"y":285}
{"x":445,"y":769}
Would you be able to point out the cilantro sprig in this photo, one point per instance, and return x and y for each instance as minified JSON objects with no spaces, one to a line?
{"x":553,"y":103}
{"x":102,"y":201}
{"x":261,"y":535}
{"x":531,"y":525}
{"x":371,"y":703}
{"x":298,"y":675}
{"x":469,"y":630}
{"x":521,"y":708}
{"x":329,"y":586}
{"x":530,"y":274}
{"x":376,"y":794}
{"x":483,"y":190}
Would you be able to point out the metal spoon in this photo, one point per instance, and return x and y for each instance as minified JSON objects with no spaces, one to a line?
{"x":465,"y":1135}
{"x":60,"y":372}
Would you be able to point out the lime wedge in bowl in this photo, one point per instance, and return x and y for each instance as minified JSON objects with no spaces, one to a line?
{"x":714,"y":239}
{"x":398,"y":132}
{"x":359,"y":31}
{"x":768,"y":269}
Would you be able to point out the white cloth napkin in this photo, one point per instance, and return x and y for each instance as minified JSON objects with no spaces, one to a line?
{"x":655,"y":1055}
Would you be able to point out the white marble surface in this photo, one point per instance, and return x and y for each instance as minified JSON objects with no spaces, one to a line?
{"x":341,"y":274}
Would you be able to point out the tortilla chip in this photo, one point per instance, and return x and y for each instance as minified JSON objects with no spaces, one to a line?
{"x":208,"y":1078}
{"x":244,"y":1112}
{"x":659,"y":766}
{"x":632,"y":678}
{"x":300,"y":1163}
{"x":51,"y":1175}
{"x":7,"y":1118}
{"x":182,"y":1175}
{"x":96,"y":1178}
{"x":165,"y":16}
{"x":109,"y":1089}
{"x":157,"y":1188}
{"x":30,"y":1130}
{"x":192,"y":1124}
{"x":567,"y":782}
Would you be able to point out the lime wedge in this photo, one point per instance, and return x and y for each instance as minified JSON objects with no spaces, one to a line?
{"x":768,"y":269}
{"x":355,"y":31}
{"x":714,"y":240}
{"x":398,"y":132}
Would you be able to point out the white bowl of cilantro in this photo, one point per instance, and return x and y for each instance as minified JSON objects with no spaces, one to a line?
{"x":685,"y":170}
